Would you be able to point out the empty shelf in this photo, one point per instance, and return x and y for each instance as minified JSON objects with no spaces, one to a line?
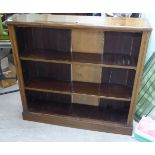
{"x":109,"y":60}
{"x":119,"y":60}
{"x":79,"y":111}
{"x":115,"y":92}
{"x":49,"y":86}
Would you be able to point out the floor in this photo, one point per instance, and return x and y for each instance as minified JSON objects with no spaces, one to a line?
{"x":14,"y":128}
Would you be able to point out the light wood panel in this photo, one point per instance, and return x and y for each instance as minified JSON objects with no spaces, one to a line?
{"x":86,"y":73}
{"x":87,"y":41}
{"x":85,"y":99}
{"x":94,"y":22}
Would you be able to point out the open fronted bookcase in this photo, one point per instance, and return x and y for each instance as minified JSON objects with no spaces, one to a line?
{"x":79,"y":71}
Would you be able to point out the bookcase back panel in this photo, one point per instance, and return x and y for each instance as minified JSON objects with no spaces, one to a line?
{"x":85,"y":99}
{"x":50,"y":71}
{"x":86,"y":73}
{"x":56,"y":40}
{"x":48,"y":102}
{"x":87,"y":41}
{"x":122,"y":77}
{"x":123,"y":43}
{"x":118,"y":108}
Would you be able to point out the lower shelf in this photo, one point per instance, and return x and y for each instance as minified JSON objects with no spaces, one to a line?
{"x":78,"y":123}
{"x":102,"y":112}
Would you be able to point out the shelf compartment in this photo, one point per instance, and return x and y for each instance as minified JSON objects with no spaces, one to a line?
{"x":30,"y":38}
{"x":45,"y":71}
{"x":115,"y":92}
{"x":119,"y":61}
{"x":119,"y":77}
{"x":121,"y":48}
{"x":78,"y":111}
{"x":47,"y":103}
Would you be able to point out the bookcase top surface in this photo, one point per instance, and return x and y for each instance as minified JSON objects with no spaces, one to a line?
{"x":70,"y":21}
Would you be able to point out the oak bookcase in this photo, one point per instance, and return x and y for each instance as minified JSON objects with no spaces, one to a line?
{"x":79,"y":71}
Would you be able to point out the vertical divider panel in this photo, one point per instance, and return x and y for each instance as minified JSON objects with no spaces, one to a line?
{"x":71,"y":69}
{"x":87,"y":41}
{"x":103,"y":40}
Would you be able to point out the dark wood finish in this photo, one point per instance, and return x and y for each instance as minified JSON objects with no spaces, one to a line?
{"x":109,"y":60}
{"x":79,"y":111}
{"x":117,"y":92}
{"x":78,"y":123}
{"x":86,"y":88}
{"x":119,"y":60}
{"x":86,"y":58}
{"x":122,"y":77}
{"x":49,"y":86}
{"x":60,"y":58}
{"x":41,"y":38}
{"x":50,"y":71}
{"x":110,"y":91}
{"x":50,"y":103}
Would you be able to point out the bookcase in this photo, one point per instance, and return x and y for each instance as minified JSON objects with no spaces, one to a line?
{"x":77,"y":71}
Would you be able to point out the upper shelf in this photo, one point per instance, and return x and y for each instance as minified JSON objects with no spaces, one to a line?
{"x":108,"y":60}
{"x":68,"y":21}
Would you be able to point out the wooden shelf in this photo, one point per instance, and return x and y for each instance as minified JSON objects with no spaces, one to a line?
{"x":79,"y":111}
{"x":109,"y":60}
{"x":115,"y":92}
{"x":119,"y":61}
{"x":86,"y":88}
{"x":91,"y":58}
{"x":49,"y":86}
{"x":46,"y":56}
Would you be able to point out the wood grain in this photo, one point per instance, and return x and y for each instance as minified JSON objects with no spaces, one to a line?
{"x":84,"y":22}
{"x":85,"y":99}
{"x":13,"y":39}
{"x":138,"y":76}
{"x":92,"y":59}
{"x":87,"y":41}
{"x":86,"y":73}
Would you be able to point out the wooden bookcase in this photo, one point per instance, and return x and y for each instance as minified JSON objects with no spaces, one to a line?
{"x":79,"y":71}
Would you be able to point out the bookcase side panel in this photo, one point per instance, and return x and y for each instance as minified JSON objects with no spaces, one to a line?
{"x":14,"y":45}
{"x":138,"y":76}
